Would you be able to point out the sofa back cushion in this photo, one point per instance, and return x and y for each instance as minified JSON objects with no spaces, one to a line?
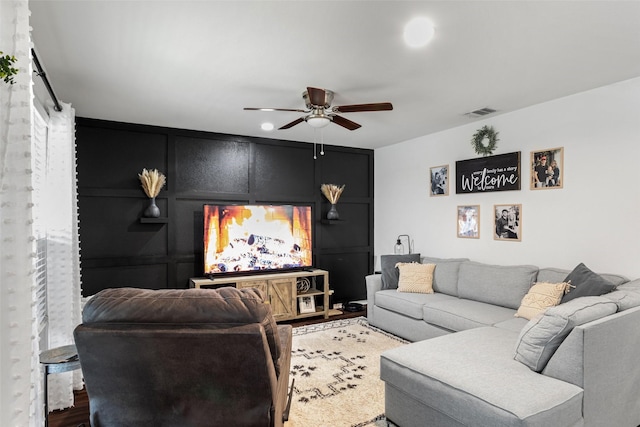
{"x":625,"y":298}
{"x":555,"y":275}
{"x":495,"y":284}
{"x":634,"y":284}
{"x":445,"y":276}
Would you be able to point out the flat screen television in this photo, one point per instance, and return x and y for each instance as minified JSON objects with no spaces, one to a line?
{"x":256,"y":238}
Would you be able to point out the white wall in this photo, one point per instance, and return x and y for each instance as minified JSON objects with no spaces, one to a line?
{"x":594,"y":219}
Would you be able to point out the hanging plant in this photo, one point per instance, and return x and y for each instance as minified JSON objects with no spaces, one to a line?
{"x":7,"y":71}
{"x":484,"y":141}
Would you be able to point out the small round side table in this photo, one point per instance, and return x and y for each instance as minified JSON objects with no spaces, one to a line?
{"x":55,"y":361}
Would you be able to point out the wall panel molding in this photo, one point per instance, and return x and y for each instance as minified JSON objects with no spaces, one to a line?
{"x":203,"y":167}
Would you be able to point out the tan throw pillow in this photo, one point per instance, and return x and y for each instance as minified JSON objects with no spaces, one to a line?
{"x":415,"y":277}
{"x":540,"y":297}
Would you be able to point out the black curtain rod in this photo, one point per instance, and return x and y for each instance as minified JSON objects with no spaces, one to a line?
{"x":41,"y":73}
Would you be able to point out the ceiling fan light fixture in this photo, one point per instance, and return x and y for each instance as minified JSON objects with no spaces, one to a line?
{"x":418,"y":32}
{"x":318,"y":121}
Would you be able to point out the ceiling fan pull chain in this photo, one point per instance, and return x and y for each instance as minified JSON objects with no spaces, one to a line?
{"x":315,"y":137}
{"x":322,"y":141}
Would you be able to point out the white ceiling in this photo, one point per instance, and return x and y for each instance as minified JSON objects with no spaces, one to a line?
{"x":196,"y":64}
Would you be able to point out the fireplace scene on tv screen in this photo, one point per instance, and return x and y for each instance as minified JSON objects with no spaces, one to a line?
{"x":246,"y":238}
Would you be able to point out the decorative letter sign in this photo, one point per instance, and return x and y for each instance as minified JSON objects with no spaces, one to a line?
{"x":492,"y":173}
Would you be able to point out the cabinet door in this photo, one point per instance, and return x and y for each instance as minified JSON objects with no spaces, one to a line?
{"x":260,"y":284}
{"x":282,"y":298}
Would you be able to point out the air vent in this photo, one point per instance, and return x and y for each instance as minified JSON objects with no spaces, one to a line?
{"x":481,"y":112}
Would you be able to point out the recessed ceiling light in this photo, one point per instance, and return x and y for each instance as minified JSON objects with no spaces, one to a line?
{"x":267,"y":126}
{"x":418,"y":32}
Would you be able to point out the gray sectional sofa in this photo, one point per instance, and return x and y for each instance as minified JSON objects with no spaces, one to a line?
{"x":472,"y":363}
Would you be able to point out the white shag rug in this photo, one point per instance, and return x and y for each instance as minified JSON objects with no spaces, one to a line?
{"x":336,"y":366}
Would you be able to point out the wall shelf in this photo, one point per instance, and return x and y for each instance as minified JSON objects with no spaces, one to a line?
{"x":333,"y":221}
{"x":144,"y":220}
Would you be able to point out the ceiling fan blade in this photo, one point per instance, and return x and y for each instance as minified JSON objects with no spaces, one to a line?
{"x":316,"y":96}
{"x":380,"y":106}
{"x":274,"y":109}
{"x":345,"y":123}
{"x":292,"y":124}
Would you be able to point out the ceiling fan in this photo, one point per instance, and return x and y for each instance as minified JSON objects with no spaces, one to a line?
{"x":320,"y":112}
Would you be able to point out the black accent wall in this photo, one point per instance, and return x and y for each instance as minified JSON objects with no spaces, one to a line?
{"x":119,"y":250}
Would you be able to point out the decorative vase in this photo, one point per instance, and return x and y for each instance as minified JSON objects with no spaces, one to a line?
{"x":152,"y":211}
{"x":333,"y":212}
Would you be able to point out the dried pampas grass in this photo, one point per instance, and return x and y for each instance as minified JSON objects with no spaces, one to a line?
{"x":152,"y":182}
{"x":332,"y":192}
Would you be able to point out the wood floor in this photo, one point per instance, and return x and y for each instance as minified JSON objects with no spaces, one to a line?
{"x":79,"y":413}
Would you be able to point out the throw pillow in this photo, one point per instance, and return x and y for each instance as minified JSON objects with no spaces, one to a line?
{"x":584,"y":282}
{"x":390,"y":273}
{"x":541,"y":337}
{"x":415,"y":277}
{"x":540,"y":297}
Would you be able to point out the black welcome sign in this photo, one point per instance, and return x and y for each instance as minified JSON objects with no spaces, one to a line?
{"x":491,"y":173}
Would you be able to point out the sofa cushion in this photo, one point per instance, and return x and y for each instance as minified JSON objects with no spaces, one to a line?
{"x":625,"y":298}
{"x":542,"y":336}
{"x":514,"y":324}
{"x":408,"y":304}
{"x":584,"y":282}
{"x":555,"y":275}
{"x":540,"y":297}
{"x":471,"y":377}
{"x":415,"y":277}
{"x":460,"y":314}
{"x":445,"y":276}
{"x":390,"y":273}
{"x":495,"y":284}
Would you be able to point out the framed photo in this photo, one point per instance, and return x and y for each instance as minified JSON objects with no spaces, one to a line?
{"x":507,"y":222}
{"x":468,"y":220}
{"x":439,"y":180}
{"x":546,"y":168}
{"x":307,"y":304}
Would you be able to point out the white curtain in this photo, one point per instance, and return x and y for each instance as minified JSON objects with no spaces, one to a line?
{"x":62,"y":247}
{"x":28,"y":217}
{"x":19,"y":366}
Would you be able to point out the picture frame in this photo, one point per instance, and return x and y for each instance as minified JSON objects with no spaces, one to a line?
{"x":507,"y":224}
{"x":439,"y":180}
{"x":469,"y":221}
{"x":306,"y":304}
{"x":547,"y":167}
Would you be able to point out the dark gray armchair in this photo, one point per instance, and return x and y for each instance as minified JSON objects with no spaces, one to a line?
{"x":196,"y":357}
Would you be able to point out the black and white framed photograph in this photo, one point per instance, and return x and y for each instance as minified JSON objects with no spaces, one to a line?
{"x":468,"y":220}
{"x":508,"y":222}
{"x":439,"y":180}
{"x":547,"y":167}
{"x":306,"y":304}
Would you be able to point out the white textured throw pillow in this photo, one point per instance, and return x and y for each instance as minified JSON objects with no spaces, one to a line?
{"x":540,"y":297}
{"x":541,"y":337}
{"x":415,"y":277}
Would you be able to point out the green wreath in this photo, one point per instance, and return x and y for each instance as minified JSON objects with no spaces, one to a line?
{"x":482,"y":133}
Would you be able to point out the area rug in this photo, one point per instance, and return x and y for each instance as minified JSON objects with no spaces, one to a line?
{"x":336,"y":367}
